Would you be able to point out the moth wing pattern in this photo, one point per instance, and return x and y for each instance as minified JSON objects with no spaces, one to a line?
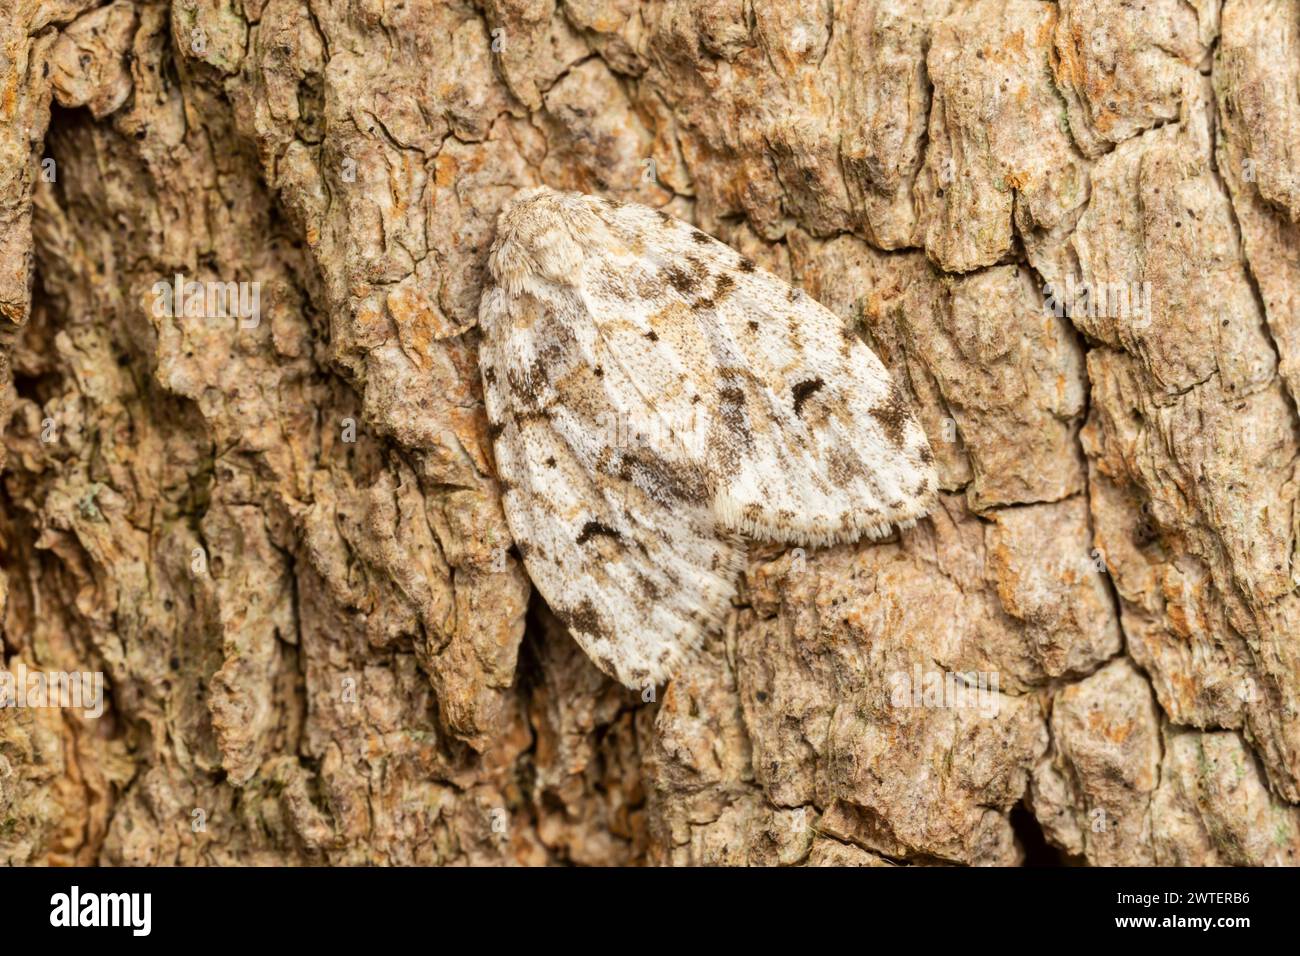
{"x":801,"y":430}
{"x":619,"y":539}
{"x":653,"y":396}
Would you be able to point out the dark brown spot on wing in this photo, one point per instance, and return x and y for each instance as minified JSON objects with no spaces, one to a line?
{"x":680,"y":279}
{"x":523,"y":386}
{"x":662,"y":480}
{"x":722,"y":287}
{"x":649,"y":589}
{"x":804,"y":391}
{"x":584,"y":618}
{"x":532,"y":415}
{"x":531,"y":382}
{"x":594,"y":529}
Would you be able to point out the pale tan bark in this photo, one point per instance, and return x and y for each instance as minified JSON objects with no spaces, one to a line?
{"x":283,"y":544}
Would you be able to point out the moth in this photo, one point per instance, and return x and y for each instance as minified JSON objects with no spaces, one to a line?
{"x":655,"y":401}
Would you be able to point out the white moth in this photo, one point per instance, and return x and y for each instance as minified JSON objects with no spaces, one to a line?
{"x":655,"y":399}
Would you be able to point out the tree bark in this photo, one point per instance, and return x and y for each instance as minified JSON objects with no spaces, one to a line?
{"x":1070,"y":229}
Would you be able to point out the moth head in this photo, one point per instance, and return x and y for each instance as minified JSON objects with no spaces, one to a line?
{"x":543,"y":234}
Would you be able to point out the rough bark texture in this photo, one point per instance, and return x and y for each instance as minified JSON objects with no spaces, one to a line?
{"x":283,"y":544}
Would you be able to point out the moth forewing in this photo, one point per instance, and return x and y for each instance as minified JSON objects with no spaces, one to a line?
{"x":653,"y":396}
